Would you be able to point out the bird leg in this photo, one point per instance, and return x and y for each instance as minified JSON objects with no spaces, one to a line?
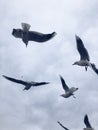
{"x":73,"y":96}
{"x":86,"y":68}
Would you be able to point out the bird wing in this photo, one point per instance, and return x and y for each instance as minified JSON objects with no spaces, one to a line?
{"x":62,"y":125}
{"x":81,"y":49}
{"x":39,"y":83}
{"x":94,"y":68}
{"x":15,"y":80}
{"x":39,"y":37}
{"x":25,"y":26}
{"x":65,"y":87}
{"x":86,"y":121}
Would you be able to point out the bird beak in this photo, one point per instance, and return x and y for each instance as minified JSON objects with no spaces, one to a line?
{"x":73,"y":64}
{"x":77,"y":88}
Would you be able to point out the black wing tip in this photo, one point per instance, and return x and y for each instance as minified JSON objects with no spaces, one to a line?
{"x":77,"y":37}
{"x":60,"y":77}
{"x":4,"y":76}
{"x":54,"y":34}
{"x":58,"y":122}
{"x":47,"y":82}
{"x":86,"y":116}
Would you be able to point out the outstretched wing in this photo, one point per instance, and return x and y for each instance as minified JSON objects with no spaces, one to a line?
{"x":86,"y":121}
{"x":81,"y":49}
{"x":62,"y":125}
{"x":15,"y":80}
{"x":40,"y":83}
{"x":94,"y":68}
{"x":40,"y":37}
{"x":65,"y":87}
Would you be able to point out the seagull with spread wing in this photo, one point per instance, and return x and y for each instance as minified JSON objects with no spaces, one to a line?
{"x":68,"y":91}
{"x":27,"y":85}
{"x":62,"y":125}
{"x":87,"y":123}
{"x":84,"y":56}
{"x":27,"y":35}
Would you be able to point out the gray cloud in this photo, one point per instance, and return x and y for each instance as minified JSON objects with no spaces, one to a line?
{"x":41,"y":107}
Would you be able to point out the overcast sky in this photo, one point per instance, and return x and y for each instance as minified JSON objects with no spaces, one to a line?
{"x":39,"y":108}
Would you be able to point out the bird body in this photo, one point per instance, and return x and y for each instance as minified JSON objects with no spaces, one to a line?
{"x":27,"y":84}
{"x":27,"y":35}
{"x":68,"y":91}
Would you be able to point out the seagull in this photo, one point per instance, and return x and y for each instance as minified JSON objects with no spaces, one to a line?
{"x":87,"y":123}
{"x":68,"y":91}
{"x":84,"y":56}
{"x":62,"y":125}
{"x":27,"y":85}
{"x":27,"y":35}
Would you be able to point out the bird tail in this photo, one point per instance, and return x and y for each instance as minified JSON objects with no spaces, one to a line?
{"x":25,"y":26}
{"x":94,"y":68}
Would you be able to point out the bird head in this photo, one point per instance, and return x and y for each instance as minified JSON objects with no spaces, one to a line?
{"x":73,"y":89}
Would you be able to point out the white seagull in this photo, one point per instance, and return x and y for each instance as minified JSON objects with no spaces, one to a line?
{"x":27,"y":35}
{"x":87,"y":123}
{"x":84,"y":56}
{"x":27,"y":85}
{"x":68,"y":91}
{"x":62,"y":125}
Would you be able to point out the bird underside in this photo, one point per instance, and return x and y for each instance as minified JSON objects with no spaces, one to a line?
{"x":67,"y":94}
{"x":27,"y":87}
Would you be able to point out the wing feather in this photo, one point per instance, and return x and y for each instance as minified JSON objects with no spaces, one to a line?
{"x":15,"y":80}
{"x":81,"y":49}
{"x":40,"y":83}
{"x":86,"y":121}
{"x":40,"y":37}
{"x":65,"y":87}
{"x":62,"y":125}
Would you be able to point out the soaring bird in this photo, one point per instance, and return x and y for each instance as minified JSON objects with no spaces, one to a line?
{"x":87,"y":123}
{"x":27,"y":35}
{"x":68,"y":91}
{"x":27,"y":85}
{"x":84,"y":56}
{"x":62,"y":125}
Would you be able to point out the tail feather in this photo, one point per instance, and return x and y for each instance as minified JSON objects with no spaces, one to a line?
{"x":25,"y":26}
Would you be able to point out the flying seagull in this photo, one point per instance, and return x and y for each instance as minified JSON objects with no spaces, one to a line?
{"x":84,"y":56}
{"x":68,"y":91}
{"x":27,"y":85}
{"x":62,"y":125}
{"x":27,"y":35}
{"x":87,"y":123}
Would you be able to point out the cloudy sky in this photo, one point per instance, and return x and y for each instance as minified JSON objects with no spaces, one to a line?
{"x":39,"y":108}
